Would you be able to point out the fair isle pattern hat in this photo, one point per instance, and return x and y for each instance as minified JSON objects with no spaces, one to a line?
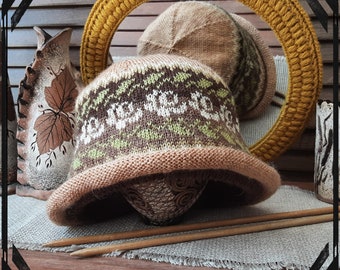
{"x":229,"y":44}
{"x":156,"y":129}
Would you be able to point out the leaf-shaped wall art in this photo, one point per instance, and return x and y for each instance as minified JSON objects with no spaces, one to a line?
{"x":46,"y":116}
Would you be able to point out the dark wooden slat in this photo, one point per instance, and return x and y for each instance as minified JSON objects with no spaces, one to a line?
{"x":57,"y":16}
{"x":306,"y":140}
{"x":294,"y":160}
{"x":303,"y":179}
{"x":44,"y":3}
{"x":158,"y":6}
{"x":20,"y":58}
{"x":38,"y":260}
{"x":27,"y":38}
{"x":307,"y":8}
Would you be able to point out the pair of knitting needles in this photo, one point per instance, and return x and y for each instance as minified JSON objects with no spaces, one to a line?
{"x":238,"y":226}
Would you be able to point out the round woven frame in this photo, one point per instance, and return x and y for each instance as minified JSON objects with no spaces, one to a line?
{"x":293,"y":29}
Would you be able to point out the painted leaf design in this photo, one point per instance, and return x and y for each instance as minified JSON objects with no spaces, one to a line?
{"x":62,"y":93}
{"x":52,"y":130}
{"x":54,"y":126}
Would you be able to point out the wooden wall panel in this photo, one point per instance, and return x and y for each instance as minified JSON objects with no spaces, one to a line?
{"x":54,"y":15}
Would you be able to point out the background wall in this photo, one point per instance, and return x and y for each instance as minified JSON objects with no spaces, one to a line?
{"x":53,"y":15}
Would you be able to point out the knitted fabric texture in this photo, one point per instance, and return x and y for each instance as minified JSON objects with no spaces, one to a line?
{"x":149,"y":119}
{"x":226,"y":42}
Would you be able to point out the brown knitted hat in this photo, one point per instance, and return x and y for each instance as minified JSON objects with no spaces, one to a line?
{"x":226,"y":42}
{"x":156,"y":129}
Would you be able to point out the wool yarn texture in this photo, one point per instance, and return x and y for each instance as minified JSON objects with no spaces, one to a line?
{"x":156,"y":131}
{"x":226,"y":42}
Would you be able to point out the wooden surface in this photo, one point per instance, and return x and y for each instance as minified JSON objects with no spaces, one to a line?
{"x":37,"y":260}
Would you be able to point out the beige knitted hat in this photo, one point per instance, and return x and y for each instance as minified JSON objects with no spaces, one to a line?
{"x":156,"y":130}
{"x":229,"y":44}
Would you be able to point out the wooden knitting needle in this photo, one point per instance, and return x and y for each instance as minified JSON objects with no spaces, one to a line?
{"x":187,"y":227}
{"x":88,"y":252}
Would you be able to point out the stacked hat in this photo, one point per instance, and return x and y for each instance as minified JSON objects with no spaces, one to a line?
{"x":229,"y":44}
{"x":156,"y":130}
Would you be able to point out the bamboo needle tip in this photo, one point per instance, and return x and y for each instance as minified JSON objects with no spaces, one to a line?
{"x":57,"y":243}
{"x":76,"y":254}
{"x":85,"y":253}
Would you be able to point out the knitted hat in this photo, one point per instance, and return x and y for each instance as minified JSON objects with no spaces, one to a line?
{"x":226,"y":42}
{"x":156,"y":129}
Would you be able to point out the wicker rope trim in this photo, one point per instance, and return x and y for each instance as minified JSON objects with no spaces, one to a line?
{"x":293,"y":29}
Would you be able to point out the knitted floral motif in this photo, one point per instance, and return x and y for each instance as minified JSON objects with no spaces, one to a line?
{"x":92,"y":129}
{"x":119,"y":115}
{"x":204,"y":105}
{"x":164,"y":103}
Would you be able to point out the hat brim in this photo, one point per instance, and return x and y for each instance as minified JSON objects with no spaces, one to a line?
{"x":67,"y":205}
